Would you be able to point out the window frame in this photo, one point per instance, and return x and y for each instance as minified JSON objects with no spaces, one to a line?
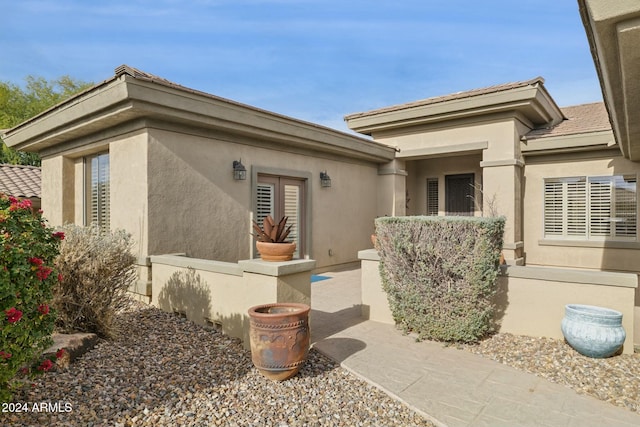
{"x":591,"y":195}
{"x":88,"y":191}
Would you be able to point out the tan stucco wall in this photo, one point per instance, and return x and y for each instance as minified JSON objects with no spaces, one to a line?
{"x":567,"y":253}
{"x":489,"y":147}
{"x":128,"y":180}
{"x":58,"y":190}
{"x":196,"y":207}
{"x":529,"y":301}
{"x":535,"y":307}
{"x":219,"y":293}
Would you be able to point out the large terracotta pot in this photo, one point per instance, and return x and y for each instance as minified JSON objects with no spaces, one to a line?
{"x":279,"y":337}
{"x":593,"y":331}
{"x":276,"y":251}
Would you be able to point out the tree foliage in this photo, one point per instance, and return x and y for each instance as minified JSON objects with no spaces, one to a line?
{"x":18,"y":104}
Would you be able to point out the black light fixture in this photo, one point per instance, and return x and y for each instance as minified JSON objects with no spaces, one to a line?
{"x":325,"y":180}
{"x":239,"y":171}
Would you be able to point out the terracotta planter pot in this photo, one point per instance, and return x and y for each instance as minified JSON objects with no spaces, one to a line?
{"x":279,"y":337}
{"x":276,"y":251}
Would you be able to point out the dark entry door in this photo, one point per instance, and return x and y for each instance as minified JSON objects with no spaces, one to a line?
{"x":459,"y":193}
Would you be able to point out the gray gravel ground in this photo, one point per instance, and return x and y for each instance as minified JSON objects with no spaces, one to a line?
{"x":615,"y":379}
{"x":163,"y":370}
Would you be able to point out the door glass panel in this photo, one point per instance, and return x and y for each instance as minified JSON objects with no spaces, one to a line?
{"x":292,"y":210}
{"x":265,"y":201}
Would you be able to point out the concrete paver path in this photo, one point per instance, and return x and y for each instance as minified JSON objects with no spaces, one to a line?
{"x":451,"y":387}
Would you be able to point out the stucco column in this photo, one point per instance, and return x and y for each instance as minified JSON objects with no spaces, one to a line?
{"x":392,"y":188}
{"x":58,"y":190}
{"x":502,"y":196}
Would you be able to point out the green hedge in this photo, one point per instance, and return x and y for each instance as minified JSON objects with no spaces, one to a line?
{"x":439,"y":273}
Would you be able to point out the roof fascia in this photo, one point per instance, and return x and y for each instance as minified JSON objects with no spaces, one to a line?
{"x":563,"y":143}
{"x":533,"y":102}
{"x":613,"y":32}
{"x":126,"y":98}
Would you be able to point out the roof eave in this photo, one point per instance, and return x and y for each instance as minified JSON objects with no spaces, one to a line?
{"x":584,"y":141}
{"x":533,"y":102}
{"x":614,"y":37}
{"x":125,"y":98}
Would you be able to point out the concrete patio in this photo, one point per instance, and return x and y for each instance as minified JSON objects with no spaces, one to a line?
{"x":451,"y":387}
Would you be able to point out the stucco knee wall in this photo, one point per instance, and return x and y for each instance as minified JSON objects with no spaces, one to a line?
{"x":530,"y":300}
{"x":220,"y":293}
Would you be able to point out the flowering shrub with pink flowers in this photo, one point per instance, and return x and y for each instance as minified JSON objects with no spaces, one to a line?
{"x":28,"y":248}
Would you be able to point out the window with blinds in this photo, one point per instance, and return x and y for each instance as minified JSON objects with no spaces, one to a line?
{"x":594,"y":208}
{"x":97,"y":199}
{"x":432,"y":196}
{"x":265,"y":199}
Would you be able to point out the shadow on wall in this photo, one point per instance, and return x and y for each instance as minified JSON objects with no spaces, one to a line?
{"x":501,"y":300}
{"x":187,"y":294}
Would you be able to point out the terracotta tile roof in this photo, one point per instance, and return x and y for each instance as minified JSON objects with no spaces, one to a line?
{"x":582,"y":118}
{"x":20,"y":181}
{"x":450,"y":97}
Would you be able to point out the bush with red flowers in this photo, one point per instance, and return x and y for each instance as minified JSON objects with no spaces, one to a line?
{"x":28,"y":249}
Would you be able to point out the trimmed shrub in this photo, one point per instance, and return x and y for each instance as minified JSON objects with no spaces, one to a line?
{"x":439,"y":273}
{"x":27,"y":251}
{"x":97,"y":268}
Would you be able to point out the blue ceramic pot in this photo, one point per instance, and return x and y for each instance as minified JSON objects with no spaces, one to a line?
{"x":593,"y":331}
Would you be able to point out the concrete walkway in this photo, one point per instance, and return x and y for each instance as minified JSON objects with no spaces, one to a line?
{"x":451,"y":387}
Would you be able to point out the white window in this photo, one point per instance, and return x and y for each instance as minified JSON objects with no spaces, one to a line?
{"x":591,"y":208}
{"x":97,"y":197}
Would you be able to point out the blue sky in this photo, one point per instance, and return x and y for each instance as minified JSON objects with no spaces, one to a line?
{"x":316,"y":60}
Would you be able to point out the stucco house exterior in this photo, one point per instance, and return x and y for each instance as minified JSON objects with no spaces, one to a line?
{"x":158,"y":159}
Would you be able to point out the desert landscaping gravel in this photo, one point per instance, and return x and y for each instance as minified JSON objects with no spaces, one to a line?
{"x":615,"y":379}
{"x":163,"y":370}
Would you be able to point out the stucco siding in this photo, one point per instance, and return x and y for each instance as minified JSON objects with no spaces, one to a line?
{"x":196,"y":207}
{"x":605,"y":255}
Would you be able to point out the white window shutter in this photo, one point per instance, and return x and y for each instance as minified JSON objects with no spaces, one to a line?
{"x":600,"y":197}
{"x":553,"y":208}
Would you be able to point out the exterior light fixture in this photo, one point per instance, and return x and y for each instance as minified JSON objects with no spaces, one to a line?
{"x":239,"y":171}
{"x":325,"y":180}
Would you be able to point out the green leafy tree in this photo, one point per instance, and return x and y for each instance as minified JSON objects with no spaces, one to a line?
{"x":18,"y":104}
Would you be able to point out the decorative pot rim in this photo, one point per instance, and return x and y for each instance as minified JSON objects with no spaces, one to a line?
{"x":260,"y":242}
{"x":299,"y":308}
{"x":593,"y":310}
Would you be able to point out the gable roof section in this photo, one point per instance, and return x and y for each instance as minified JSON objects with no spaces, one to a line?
{"x":529,"y":97}
{"x":20,"y":181}
{"x":579,"y":119}
{"x":586,"y":127}
{"x":134,"y":96}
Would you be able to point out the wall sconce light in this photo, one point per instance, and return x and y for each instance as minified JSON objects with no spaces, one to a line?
{"x":325,"y":180}
{"x":239,"y":171}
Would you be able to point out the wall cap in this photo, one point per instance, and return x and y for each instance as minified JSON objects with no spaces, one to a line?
{"x":284,"y":268}
{"x":198,"y":264}
{"x":589,"y":277}
{"x":369,"y":255}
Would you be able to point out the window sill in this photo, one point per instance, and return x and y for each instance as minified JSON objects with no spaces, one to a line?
{"x":607,"y":244}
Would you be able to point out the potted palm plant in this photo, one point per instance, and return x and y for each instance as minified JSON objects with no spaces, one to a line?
{"x":271,"y":239}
